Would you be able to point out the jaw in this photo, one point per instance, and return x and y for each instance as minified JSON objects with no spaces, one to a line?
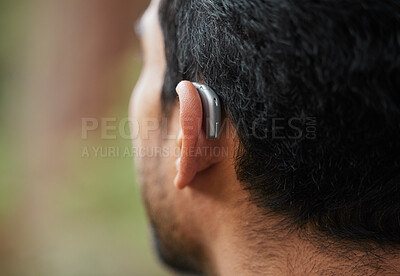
{"x":175,"y":246}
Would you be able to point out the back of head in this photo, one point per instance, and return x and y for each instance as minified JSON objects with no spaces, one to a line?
{"x":313,"y":90}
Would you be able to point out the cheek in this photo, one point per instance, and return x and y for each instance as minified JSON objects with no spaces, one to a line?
{"x":145,"y":108}
{"x":145,"y":99}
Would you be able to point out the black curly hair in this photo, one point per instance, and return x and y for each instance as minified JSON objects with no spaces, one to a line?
{"x":334,"y":60}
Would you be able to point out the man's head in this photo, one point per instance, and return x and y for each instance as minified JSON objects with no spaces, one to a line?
{"x":312,"y":90}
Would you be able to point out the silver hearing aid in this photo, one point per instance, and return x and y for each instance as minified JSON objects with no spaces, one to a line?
{"x":211,"y":110}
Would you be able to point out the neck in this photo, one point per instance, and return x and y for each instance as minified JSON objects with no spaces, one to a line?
{"x":237,"y":250}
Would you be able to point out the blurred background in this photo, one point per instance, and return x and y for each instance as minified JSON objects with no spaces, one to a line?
{"x":62,"y":211}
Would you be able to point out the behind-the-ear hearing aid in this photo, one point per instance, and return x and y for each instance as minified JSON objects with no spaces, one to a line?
{"x":211,"y":110}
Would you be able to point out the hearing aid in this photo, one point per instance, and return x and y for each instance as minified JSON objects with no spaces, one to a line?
{"x":211,"y":111}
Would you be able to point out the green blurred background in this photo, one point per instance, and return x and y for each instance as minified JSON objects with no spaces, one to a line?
{"x":61,"y":213}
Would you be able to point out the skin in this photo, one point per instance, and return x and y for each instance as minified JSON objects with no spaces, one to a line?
{"x":200,"y":216}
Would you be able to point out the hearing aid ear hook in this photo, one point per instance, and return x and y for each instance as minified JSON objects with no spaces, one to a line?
{"x":211,"y":110}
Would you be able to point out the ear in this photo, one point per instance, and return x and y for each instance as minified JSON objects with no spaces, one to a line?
{"x":196,"y":150}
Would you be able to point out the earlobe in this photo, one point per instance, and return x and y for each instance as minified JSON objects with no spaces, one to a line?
{"x":194,"y":146}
